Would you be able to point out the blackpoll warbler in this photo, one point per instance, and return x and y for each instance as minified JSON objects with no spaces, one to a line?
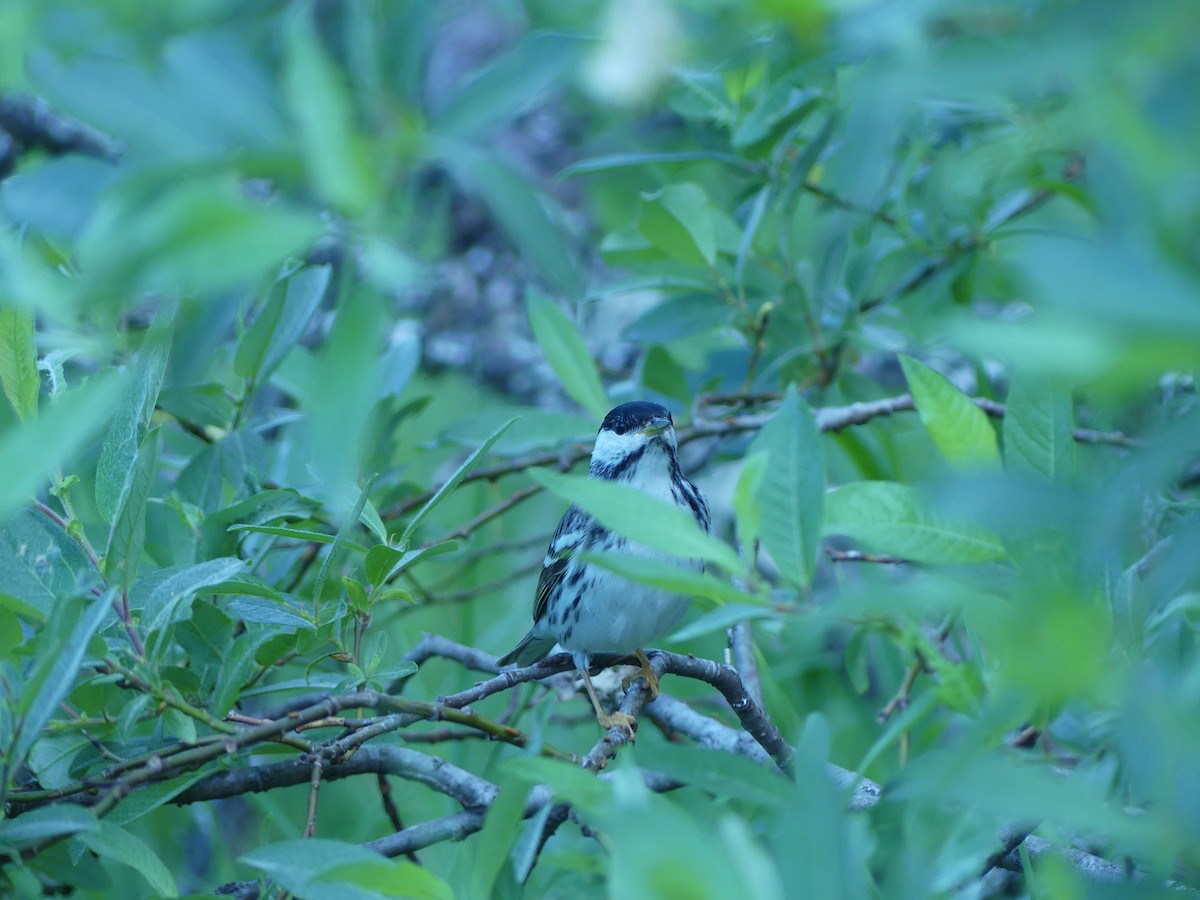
{"x":588,"y":609}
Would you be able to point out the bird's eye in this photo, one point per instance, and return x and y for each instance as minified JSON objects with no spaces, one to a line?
{"x":620,"y":428}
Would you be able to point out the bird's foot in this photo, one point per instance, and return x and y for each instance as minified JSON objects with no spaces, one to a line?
{"x":645,"y":672}
{"x":623,"y":721}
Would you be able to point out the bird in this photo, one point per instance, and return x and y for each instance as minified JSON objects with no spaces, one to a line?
{"x":587,"y":609}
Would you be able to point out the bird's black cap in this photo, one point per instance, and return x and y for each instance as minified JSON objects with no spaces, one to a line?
{"x":634,"y":415}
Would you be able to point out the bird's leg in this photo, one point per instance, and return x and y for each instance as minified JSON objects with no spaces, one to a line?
{"x":625,"y":722}
{"x":644,"y":672}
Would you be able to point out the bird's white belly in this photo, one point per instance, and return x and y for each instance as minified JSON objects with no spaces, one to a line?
{"x":620,"y":616}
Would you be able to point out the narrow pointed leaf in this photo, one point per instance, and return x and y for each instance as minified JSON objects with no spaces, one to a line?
{"x":18,"y":362}
{"x":959,"y":428}
{"x":894,"y":519}
{"x":454,"y":480}
{"x":1039,"y":431}
{"x":568,"y":355}
{"x":645,"y":519}
{"x":792,"y":490}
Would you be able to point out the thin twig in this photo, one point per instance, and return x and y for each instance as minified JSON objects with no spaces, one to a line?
{"x":741,"y":646}
{"x":314,"y":790}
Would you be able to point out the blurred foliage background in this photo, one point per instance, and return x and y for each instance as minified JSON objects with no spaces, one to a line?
{"x":269,"y":273}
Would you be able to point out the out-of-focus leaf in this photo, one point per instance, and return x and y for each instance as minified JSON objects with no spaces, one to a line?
{"x":46,"y":822}
{"x":663,"y":375}
{"x":678,"y":317}
{"x":18,"y":362}
{"x":792,"y":489}
{"x":512,"y":81}
{"x":341,"y":398}
{"x":115,"y":843}
{"x":782,"y":104}
{"x":335,"y":152}
{"x":645,"y":519}
{"x":519,"y":207}
{"x":1039,"y":431}
{"x":724,"y":776}
{"x":39,"y":562}
{"x":747,"y":507}
{"x":894,"y":519}
{"x":453,"y":481}
{"x":959,"y":428}
{"x":128,"y":533}
{"x":126,"y":434}
{"x":157,"y":234}
{"x":495,"y":841}
{"x":30,"y":452}
{"x":670,"y":577}
{"x":330,"y":870}
{"x":61,"y":651}
{"x":627,"y":160}
{"x":568,"y":355}
{"x":720,"y":619}
{"x":679,"y":221}
{"x":281,"y":323}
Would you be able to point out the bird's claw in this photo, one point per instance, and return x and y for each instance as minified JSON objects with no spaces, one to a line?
{"x":645,"y":672}
{"x":623,"y":721}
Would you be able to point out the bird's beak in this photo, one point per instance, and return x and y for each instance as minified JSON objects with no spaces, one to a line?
{"x":657,"y":426}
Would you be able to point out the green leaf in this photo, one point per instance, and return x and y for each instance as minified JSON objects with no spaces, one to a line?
{"x":126,"y":434}
{"x":30,"y":452}
{"x":568,"y":355}
{"x":661,"y":374}
{"x":116,"y":843}
{"x":163,"y":602}
{"x":678,"y":220}
{"x":959,"y":428}
{"x":281,"y":323}
{"x":330,"y":870}
{"x":783,"y":104}
{"x":18,"y":362}
{"x":128,"y":533}
{"x":638,"y":160}
{"x":44,"y":823}
{"x":1039,"y":430}
{"x":747,"y":508}
{"x":723,"y":775}
{"x":39,"y":562}
{"x":666,"y":575}
{"x":300,"y":534}
{"x":493,"y":843}
{"x":62,"y":648}
{"x":513,"y":80}
{"x":155,"y":234}
{"x":151,"y":797}
{"x":388,"y":562}
{"x":453,"y":481}
{"x":343,"y":534}
{"x":236,"y":670}
{"x":894,"y":519}
{"x":645,"y":519}
{"x":335,"y":153}
{"x":720,"y":619}
{"x":793,"y":489}
{"x":521,"y":209}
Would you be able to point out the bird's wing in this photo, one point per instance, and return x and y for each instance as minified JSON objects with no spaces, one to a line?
{"x":572,"y":531}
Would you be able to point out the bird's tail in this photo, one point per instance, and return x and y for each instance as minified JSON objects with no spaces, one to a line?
{"x":530,"y":650}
